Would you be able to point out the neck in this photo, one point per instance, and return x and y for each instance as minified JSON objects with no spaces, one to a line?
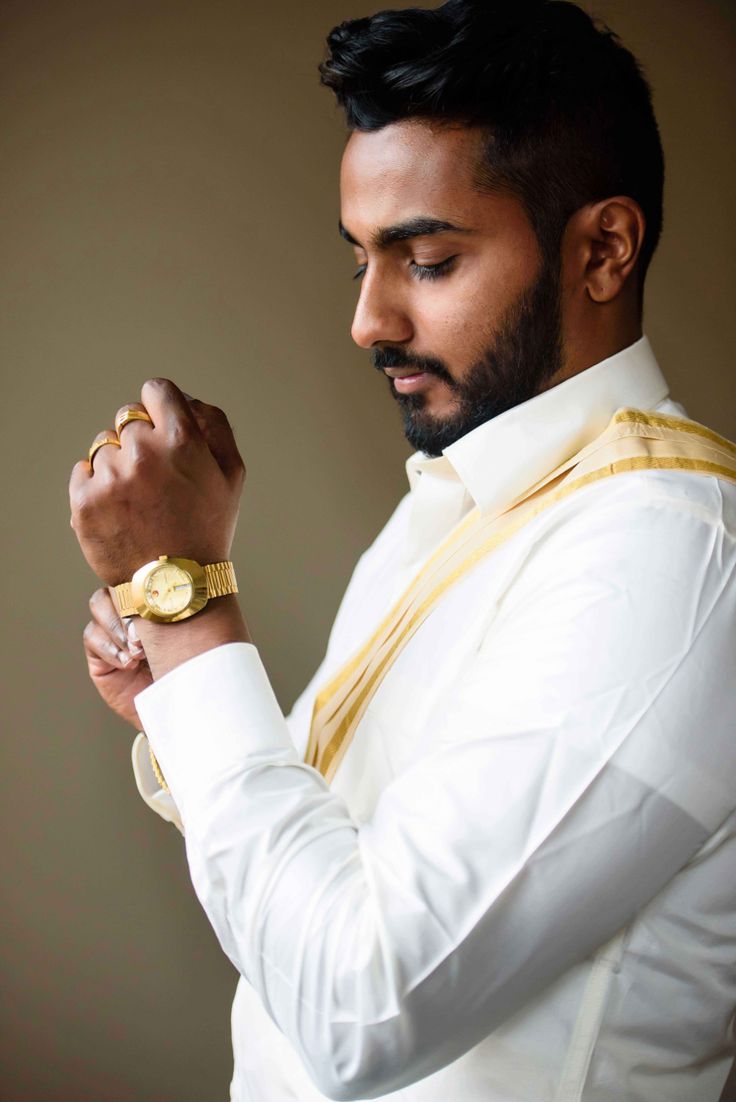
{"x":584,"y":347}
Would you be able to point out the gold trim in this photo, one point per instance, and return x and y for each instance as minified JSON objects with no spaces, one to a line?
{"x":157,"y":769}
{"x":679,"y":424}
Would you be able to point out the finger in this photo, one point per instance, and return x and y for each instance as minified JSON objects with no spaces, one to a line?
{"x":105,"y":613}
{"x":134,"y":640}
{"x":215,"y":428}
{"x":134,"y":420}
{"x":104,"y":456}
{"x":170,"y":411}
{"x":78,"y":487}
{"x":100,"y":647}
{"x":80,"y":476}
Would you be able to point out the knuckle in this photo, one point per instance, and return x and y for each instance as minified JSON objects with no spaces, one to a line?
{"x":108,"y":475}
{"x":140,"y":459}
{"x":105,"y":478}
{"x":180,"y":436}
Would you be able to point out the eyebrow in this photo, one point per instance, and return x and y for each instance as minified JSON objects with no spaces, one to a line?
{"x":385,"y":236}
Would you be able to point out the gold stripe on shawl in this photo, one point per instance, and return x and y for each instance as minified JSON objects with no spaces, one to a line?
{"x":632,"y":441}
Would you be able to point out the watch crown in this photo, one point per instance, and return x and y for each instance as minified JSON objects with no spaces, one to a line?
{"x":163,"y":558}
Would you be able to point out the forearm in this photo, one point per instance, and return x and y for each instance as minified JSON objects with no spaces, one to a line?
{"x":168,"y":645}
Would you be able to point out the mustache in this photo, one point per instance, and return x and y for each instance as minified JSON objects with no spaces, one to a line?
{"x":396,"y":357}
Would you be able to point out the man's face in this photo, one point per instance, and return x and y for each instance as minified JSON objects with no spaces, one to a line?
{"x":457,"y":304}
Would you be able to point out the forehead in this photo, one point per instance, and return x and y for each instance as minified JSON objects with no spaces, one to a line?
{"x":407,"y":168}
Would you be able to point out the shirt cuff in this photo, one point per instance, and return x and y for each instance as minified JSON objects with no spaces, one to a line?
{"x":159,"y":801}
{"x":211,"y":716}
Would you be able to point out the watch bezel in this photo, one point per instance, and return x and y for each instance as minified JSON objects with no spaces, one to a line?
{"x":198,"y":600}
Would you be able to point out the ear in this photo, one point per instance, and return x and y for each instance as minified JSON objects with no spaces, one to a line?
{"x":613,"y":232}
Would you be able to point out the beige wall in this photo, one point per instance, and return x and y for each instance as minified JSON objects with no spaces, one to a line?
{"x":169,"y":206}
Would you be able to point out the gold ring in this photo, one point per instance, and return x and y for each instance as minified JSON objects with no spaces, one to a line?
{"x":97,"y":444}
{"x":130,"y":415}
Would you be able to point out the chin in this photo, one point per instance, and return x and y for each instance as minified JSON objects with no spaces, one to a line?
{"x":429,"y":433}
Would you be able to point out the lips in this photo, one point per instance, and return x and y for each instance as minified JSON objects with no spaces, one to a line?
{"x":401,"y":372}
{"x":411,"y":383}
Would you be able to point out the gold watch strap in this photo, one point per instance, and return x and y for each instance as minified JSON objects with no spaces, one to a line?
{"x":220,"y":578}
{"x":124,"y":600}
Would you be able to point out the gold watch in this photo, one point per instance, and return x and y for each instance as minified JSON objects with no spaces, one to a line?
{"x":170,"y":589}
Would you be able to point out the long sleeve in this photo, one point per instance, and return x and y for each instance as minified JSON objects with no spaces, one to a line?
{"x":584,"y":755}
{"x":163,"y":803}
{"x":298,"y":719}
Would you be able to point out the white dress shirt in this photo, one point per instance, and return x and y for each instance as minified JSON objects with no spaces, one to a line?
{"x":520,"y":885}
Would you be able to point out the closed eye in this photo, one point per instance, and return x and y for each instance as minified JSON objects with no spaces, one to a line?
{"x":433,"y":271}
{"x":421,"y":271}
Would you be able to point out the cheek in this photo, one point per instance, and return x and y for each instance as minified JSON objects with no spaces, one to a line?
{"x":500,"y":279}
{"x":462,"y":313}
{"x":454,"y":314}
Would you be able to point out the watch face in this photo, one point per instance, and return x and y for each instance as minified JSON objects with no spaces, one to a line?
{"x":168,"y":589}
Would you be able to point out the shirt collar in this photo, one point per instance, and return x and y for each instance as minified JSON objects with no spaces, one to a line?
{"x":501,"y":458}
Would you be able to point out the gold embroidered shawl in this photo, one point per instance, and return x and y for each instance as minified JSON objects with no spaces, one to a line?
{"x":632,"y":441}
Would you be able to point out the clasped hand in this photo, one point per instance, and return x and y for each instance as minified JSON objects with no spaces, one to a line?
{"x":172,"y":487}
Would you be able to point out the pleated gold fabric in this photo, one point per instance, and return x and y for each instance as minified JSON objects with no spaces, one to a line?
{"x":633,"y":440}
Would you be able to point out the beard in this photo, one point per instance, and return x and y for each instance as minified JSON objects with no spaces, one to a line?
{"x":526,"y":352}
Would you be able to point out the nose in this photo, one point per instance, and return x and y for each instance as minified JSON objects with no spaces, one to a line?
{"x":380,"y":314}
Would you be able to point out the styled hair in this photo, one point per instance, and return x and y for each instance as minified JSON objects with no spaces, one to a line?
{"x":566,"y":107}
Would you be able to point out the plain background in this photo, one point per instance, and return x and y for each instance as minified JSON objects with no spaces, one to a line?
{"x":169,"y":206}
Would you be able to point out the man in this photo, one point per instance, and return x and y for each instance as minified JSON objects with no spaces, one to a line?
{"x":490,"y":854}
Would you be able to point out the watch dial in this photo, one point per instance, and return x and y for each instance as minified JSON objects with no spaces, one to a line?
{"x":168,"y":589}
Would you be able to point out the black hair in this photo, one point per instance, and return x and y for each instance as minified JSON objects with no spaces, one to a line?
{"x":567,"y":108}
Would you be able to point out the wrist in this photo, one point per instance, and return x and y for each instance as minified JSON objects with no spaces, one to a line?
{"x":170,"y":589}
{"x":167,"y":646}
